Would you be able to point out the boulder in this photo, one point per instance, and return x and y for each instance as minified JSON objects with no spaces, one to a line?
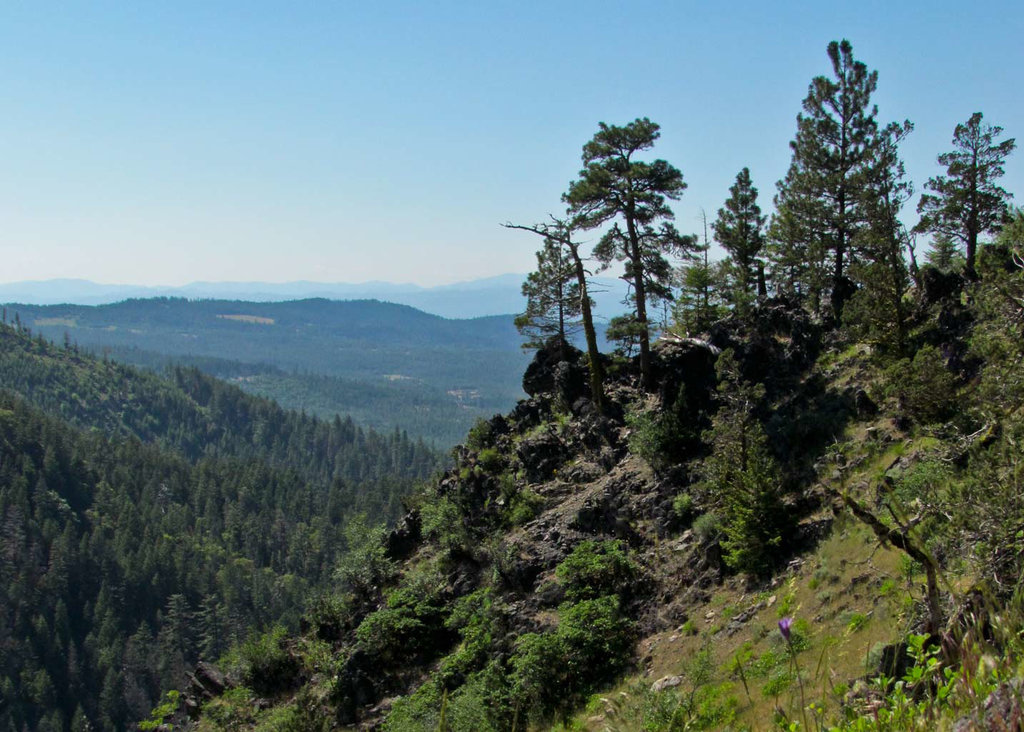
{"x":405,"y":537}
{"x":666,"y":682}
{"x":558,"y":368}
{"x":685,"y":362}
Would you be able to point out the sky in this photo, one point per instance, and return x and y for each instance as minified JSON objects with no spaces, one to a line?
{"x":164,"y":143}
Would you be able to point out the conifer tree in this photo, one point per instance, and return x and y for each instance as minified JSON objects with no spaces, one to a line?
{"x":883,"y":275}
{"x":560,"y":232}
{"x":703,"y":285}
{"x":615,"y":187}
{"x":552,"y":297}
{"x":743,"y":476}
{"x":966,"y":202}
{"x":821,"y":194}
{"x":739,"y":231}
{"x":945,"y":254}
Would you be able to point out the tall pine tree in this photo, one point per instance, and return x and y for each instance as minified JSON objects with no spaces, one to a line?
{"x":882,"y":274}
{"x":615,"y":187}
{"x":739,"y":231}
{"x":834,"y":137}
{"x":966,"y":202}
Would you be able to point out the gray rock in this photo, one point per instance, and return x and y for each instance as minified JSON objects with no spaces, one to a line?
{"x":666,"y":682}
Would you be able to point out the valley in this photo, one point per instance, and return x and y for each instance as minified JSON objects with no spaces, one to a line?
{"x":387,"y":366}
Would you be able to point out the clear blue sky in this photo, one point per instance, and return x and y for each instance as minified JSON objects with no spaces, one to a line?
{"x":167,"y":142}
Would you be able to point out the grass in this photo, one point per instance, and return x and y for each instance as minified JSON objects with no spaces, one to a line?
{"x":751,"y":671}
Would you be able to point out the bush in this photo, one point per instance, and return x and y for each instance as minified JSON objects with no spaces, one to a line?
{"x":479,"y":435}
{"x":523,"y":507}
{"x":682,"y":507}
{"x":923,"y":386}
{"x":473,"y":617}
{"x":267,"y":666}
{"x":707,"y":527}
{"x":365,"y":565}
{"x":491,"y":460}
{"x":595,"y":569}
{"x":444,"y":523}
{"x":557,"y":669}
{"x":411,"y":624}
{"x":477,"y":706}
{"x":664,"y":437}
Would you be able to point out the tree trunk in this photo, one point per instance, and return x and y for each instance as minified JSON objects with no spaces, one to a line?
{"x":903,"y":541}
{"x":646,"y":375}
{"x":593,"y":355}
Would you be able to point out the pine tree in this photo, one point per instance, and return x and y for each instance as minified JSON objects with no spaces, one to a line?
{"x":614,"y":187}
{"x":882,"y":274}
{"x":743,"y":476}
{"x":739,"y":231}
{"x":966,"y":202}
{"x":552,"y":297}
{"x":821,"y":193}
{"x":945,"y":254}
{"x":560,"y":233}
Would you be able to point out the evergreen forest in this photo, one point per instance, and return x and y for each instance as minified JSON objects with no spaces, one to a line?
{"x":149,"y":522}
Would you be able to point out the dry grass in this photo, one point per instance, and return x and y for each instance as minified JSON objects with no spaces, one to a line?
{"x":256,"y":319}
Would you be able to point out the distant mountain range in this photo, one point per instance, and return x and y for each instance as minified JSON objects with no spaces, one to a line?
{"x":499,"y":295}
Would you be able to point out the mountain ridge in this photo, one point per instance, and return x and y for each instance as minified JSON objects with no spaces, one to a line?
{"x":496,"y":295}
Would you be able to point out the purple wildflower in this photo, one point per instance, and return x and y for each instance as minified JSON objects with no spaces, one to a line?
{"x":784,"y":625}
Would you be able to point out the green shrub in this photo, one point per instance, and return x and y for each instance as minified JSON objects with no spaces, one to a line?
{"x":473,"y":618}
{"x":595,"y":569}
{"x":682,"y":507}
{"x":491,"y":460}
{"x":267,"y":665}
{"x":923,"y":386}
{"x":390,"y":633}
{"x":166,"y":709}
{"x":411,"y":623}
{"x":479,"y":435}
{"x":523,"y":507}
{"x":365,"y":565}
{"x":557,"y":669}
{"x":443,"y":522}
{"x":477,"y":706}
{"x":664,"y":437}
{"x":707,"y":527}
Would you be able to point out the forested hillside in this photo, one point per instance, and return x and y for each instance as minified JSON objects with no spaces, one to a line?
{"x":386,"y":365}
{"x":150,"y":522}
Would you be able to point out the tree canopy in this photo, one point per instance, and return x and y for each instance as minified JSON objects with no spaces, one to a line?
{"x":966,"y":202}
{"x":615,"y":187}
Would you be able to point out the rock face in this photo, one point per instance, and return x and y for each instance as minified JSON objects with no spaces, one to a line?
{"x":688,"y":363}
{"x":559,"y":369}
{"x":531,"y":486}
{"x":404,"y":538}
{"x":541,"y":455}
{"x":776,"y":343}
{"x":204,"y":683}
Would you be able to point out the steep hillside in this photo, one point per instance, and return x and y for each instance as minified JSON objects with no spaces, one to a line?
{"x":148,"y":523}
{"x":200,"y":416}
{"x":795,"y":528}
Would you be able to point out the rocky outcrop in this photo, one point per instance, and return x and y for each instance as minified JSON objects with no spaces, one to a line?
{"x":558,"y":369}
